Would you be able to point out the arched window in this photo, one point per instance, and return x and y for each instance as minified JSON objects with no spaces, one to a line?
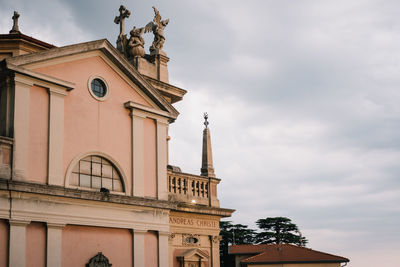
{"x":96,"y":172}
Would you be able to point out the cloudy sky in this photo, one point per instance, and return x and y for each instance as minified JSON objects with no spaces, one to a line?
{"x":303,"y":98}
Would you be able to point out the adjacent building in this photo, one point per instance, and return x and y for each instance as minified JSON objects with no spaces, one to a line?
{"x":282,"y":255}
{"x":84,"y":172}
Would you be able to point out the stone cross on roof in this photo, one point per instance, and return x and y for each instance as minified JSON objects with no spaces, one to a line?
{"x":123,"y":13}
{"x":15,"y":28}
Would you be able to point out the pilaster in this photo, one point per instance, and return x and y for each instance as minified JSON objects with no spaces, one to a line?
{"x":138,"y":247}
{"x":21,"y":127}
{"x":163,"y":249}
{"x":56,"y":136}
{"x":214,"y":242}
{"x":54,"y":244}
{"x":162,"y":127}
{"x":17,"y":248}
{"x":137,"y":154}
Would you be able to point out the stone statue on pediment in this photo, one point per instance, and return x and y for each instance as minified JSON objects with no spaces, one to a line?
{"x":136,"y":43}
{"x":157,"y":26}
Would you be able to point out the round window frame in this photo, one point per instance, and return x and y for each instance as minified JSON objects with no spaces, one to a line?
{"x":93,"y":94}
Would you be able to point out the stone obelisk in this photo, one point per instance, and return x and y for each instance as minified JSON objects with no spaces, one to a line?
{"x":207,"y":168}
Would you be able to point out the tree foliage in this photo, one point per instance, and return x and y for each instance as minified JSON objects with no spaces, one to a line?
{"x":233,"y":234}
{"x":272,"y":230}
{"x":278,"y":230}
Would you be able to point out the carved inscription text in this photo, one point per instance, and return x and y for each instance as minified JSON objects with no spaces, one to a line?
{"x":199,"y":223}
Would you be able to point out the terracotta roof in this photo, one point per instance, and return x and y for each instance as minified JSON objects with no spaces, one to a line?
{"x":247,"y":249}
{"x":285,"y":253}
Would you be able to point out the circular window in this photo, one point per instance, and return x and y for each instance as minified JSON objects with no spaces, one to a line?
{"x":98,"y":87}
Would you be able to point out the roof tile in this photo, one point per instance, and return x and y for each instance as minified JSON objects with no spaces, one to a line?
{"x":283,"y":253}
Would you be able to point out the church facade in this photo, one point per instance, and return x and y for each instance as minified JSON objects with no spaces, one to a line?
{"x":84,"y":172}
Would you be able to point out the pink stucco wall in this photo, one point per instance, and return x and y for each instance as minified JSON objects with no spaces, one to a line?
{"x":151,"y":249}
{"x":150,"y":158}
{"x":38,"y":134}
{"x":3,"y":243}
{"x":92,"y":125}
{"x":81,"y":243}
{"x":35,"y":244}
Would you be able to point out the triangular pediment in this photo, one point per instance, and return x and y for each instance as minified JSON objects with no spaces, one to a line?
{"x":195,"y":254}
{"x":110,"y":55}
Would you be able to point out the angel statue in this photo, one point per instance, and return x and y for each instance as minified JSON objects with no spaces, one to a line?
{"x":157,"y":27}
{"x":136,"y":43}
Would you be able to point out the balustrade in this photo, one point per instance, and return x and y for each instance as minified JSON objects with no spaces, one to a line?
{"x":189,"y":188}
{"x":5,"y":157}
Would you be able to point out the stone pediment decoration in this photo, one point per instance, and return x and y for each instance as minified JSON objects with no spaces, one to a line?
{"x":193,"y":258}
{"x":122,"y":39}
{"x":134,"y":46}
{"x":157,"y":26}
{"x":99,"y":261}
{"x":190,"y":240}
{"x":15,"y":28}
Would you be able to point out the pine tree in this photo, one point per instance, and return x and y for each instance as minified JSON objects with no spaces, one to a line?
{"x":278,"y":230}
{"x":233,"y":234}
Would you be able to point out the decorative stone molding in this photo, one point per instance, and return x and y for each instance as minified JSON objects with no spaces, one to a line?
{"x":139,"y":231}
{"x":192,"y":240}
{"x":216,"y":239}
{"x":14,"y":222}
{"x":193,"y":257}
{"x":55,"y":225}
{"x":71,"y":193}
{"x":99,"y":261}
{"x":171,"y":237}
{"x":148,"y":111}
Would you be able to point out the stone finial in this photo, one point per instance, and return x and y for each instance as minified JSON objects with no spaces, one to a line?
{"x":207,"y":168}
{"x":206,"y":123}
{"x":15,"y":28}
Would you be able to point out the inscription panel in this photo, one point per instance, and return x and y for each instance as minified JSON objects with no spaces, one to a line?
{"x":194,"y":222}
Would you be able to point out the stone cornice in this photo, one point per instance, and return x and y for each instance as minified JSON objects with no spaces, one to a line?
{"x":172,"y":91}
{"x":60,"y":191}
{"x":135,"y":106}
{"x":27,"y":39}
{"x":42,"y":79}
{"x":200,"y":209}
